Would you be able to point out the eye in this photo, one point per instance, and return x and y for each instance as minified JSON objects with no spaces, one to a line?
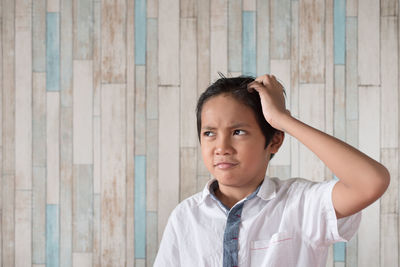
{"x":208,"y":133}
{"x":239,"y":132}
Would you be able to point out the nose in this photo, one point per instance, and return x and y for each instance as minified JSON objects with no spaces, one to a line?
{"x":223,"y":145}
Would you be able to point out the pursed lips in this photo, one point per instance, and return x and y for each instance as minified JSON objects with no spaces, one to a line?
{"x":225,"y":165}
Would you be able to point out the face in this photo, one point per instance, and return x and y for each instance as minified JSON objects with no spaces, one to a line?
{"x":232,"y":143}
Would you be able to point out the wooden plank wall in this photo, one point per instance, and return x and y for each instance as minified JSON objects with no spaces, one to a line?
{"x":98,"y":133}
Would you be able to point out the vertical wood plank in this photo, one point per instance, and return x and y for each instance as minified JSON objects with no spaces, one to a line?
{"x":113,"y":175}
{"x":66,"y":54}
{"x":281,"y":70}
{"x":39,"y":36}
{"x":351,"y":8}
{"x":218,"y":38}
{"x":262,"y":37}
{"x":82,"y":208}
{"x":351,"y":69}
{"x":234,"y":35}
{"x":368,"y":43}
{"x":113,"y":41}
{"x":53,"y":5}
{"x":188,"y":9}
{"x":82,"y":112}
{"x":151,"y":238}
{"x":329,"y":69}
{"x":368,"y":233}
{"x":294,"y":85}
{"x":39,"y":119}
{"x":389,"y":244}
{"x":203,"y":62}
{"x":80,"y":259}
{"x":96,"y":230}
{"x":249,"y":5}
{"x":152,"y":70}
{"x":66,"y":173}
{"x":339,"y":31}
{"x":168,"y":42}
{"x":152,"y":9}
{"x":52,"y":235}
{"x":52,"y":51}
{"x":39,"y":215}
{"x":140,"y":32}
{"x":311,"y":41}
{"x":340,"y":102}
{"x":249,"y":64}
{"x":140,"y":207}
{"x":140,"y":110}
{"x":187,"y":172}
{"x":53,"y":147}
{"x":97,"y":58}
{"x":168,"y":151}
{"x":96,"y":154}
{"x":39,"y":169}
{"x":130,"y":133}
{"x":83,"y":29}
{"x":280,"y":29}
{"x":23,"y":227}
{"x":389,"y":8}
{"x":188,"y":89}
{"x":152,"y":173}
{"x":390,"y":83}
{"x":311,"y":112}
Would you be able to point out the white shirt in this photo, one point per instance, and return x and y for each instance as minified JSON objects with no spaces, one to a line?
{"x":289,"y":223}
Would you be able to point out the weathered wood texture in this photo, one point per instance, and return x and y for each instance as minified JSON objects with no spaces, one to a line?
{"x":99,"y":138}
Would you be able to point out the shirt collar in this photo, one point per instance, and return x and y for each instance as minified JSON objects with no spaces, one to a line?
{"x":267,"y":190}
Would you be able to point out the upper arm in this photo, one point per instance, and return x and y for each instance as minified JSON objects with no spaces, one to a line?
{"x":348,"y":201}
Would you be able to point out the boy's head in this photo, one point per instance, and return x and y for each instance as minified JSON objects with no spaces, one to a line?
{"x":236,"y":140}
{"x":236,"y":87}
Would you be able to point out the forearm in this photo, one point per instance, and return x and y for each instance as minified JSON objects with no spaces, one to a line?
{"x":355,"y":169}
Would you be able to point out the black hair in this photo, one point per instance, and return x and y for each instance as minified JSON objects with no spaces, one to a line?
{"x":237,"y":88}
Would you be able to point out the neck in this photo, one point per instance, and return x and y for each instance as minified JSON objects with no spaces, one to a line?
{"x":229,"y":195}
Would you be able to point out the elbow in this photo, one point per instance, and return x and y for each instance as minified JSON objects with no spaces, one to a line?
{"x":380,"y":184}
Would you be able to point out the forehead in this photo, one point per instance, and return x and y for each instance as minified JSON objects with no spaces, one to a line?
{"x":224,"y":111}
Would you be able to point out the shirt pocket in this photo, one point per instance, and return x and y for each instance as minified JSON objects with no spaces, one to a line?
{"x":272,"y":252}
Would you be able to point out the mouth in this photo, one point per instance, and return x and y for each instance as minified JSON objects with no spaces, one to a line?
{"x":225,"y":165}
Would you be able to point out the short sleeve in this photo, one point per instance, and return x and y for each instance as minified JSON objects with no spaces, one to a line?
{"x":320,"y":224}
{"x":168,"y":252}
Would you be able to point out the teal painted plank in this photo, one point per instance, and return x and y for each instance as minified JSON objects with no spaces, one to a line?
{"x":340,"y":103}
{"x":52,"y":235}
{"x":39,"y":35}
{"x":140,"y":207}
{"x":249,"y":43}
{"x":140,"y":32}
{"x":339,"y":31}
{"x":52,"y":51}
{"x":83,"y":29}
{"x":339,"y":251}
{"x":234,"y":35}
{"x":280,"y":29}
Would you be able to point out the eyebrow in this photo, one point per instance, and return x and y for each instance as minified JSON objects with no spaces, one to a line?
{"x":237,"y":125}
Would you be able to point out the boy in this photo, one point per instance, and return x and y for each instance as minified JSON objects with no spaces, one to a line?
{"x":243,"y":218}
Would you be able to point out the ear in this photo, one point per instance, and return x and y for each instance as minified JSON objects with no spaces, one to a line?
{"x":276,"y":141}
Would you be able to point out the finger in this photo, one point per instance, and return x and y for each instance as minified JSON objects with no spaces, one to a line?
{"x":255,"y":86}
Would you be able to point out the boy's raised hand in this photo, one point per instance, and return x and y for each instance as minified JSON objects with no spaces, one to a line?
{"x":272,"y":98}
